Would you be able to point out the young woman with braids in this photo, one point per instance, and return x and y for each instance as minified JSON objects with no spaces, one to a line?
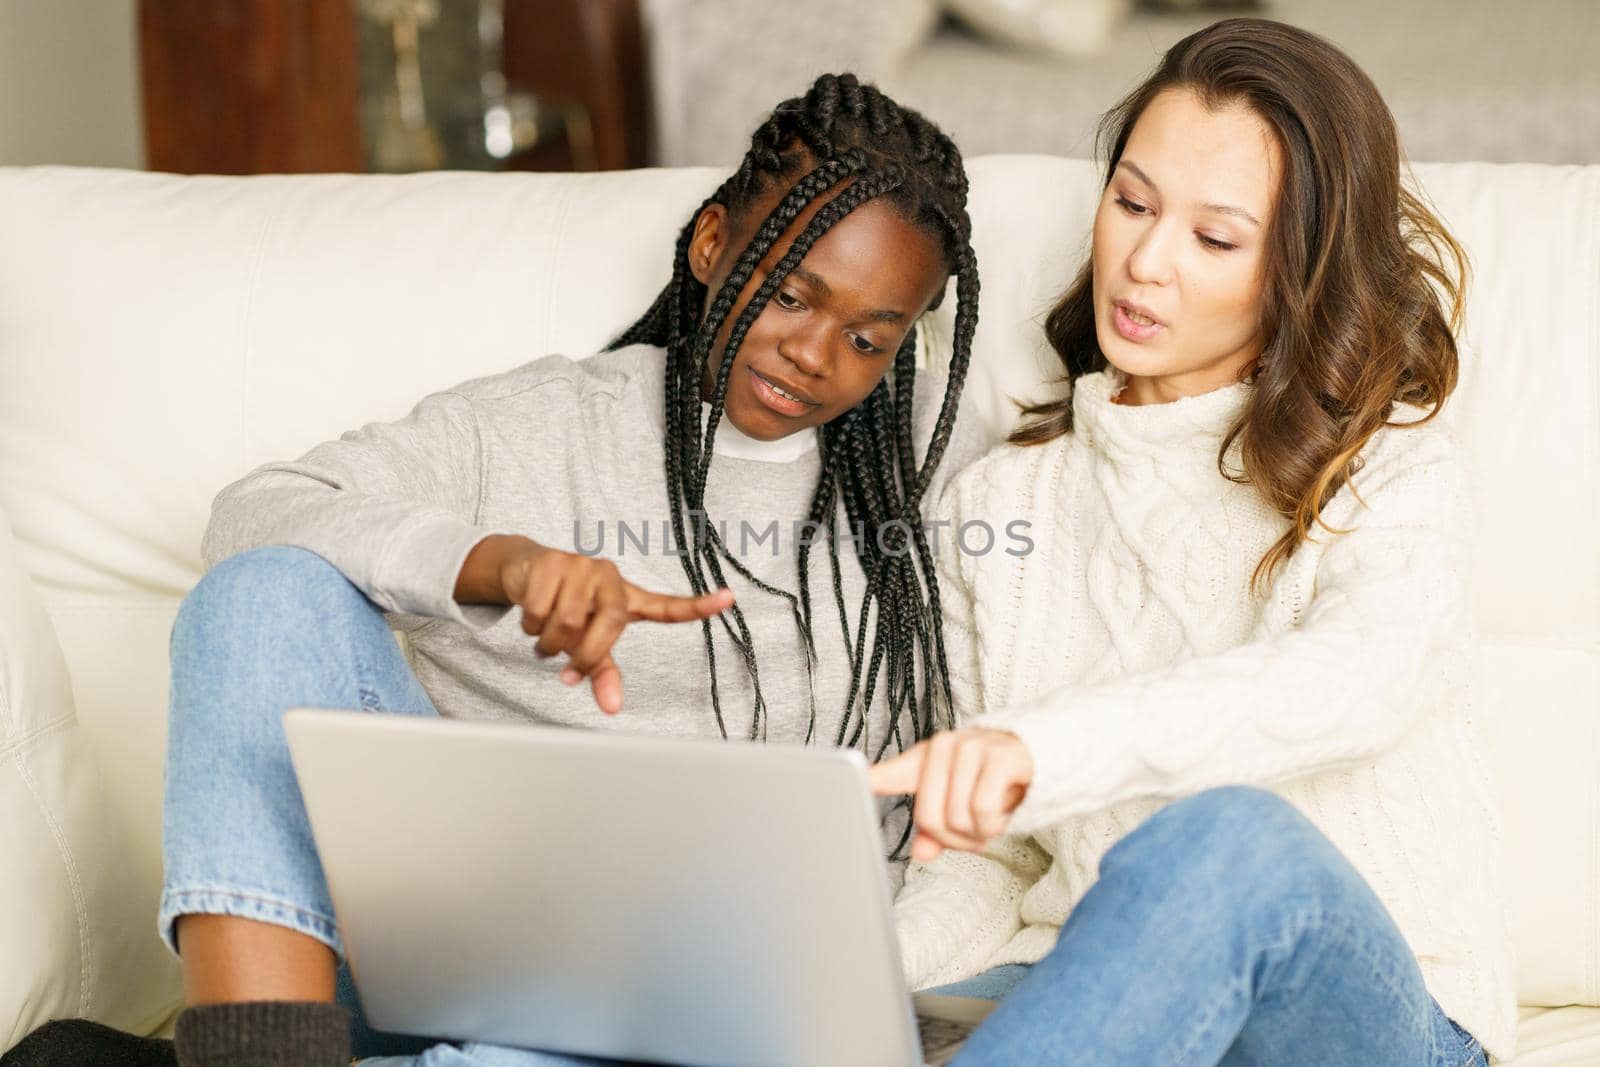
{"x":773,"y":381}
{"x":1217,"y":778}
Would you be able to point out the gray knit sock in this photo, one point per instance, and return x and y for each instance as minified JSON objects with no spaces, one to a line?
{"x":264,"y":1033}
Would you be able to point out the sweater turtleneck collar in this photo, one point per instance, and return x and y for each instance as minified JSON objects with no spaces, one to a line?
{"x":1191,"y":426}
{"x":730,"y":440}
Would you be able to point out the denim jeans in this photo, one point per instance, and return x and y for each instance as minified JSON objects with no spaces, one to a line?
{"x":1225,"y":929}
{"x":265,"y":631}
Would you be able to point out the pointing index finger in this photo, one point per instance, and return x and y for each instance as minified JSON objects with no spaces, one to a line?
{"x":897,"y":776}
{"x":645,"y":606}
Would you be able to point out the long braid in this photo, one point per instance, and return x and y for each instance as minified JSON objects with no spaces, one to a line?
{"x":864,"y":189}
{"x":712,"y":547}
{"x":841,"y":132}
{"x":960,"y":360}
{"x":682,"y":399}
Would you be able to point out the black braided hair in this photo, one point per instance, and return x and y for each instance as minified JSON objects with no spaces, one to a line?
{"x":841,"y":131}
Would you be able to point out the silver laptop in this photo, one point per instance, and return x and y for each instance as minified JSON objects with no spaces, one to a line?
{"x":683,"y":902}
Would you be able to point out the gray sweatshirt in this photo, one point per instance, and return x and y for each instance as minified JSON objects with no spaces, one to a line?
{"x":569,"y":453}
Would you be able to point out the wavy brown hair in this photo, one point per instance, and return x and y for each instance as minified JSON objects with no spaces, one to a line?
{"x":1362,"y":283}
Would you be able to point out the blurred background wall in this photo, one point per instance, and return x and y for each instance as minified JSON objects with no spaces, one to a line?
{"x":1466,"y":79}
{"x":256,"y":86}
{"x":69,"y":83}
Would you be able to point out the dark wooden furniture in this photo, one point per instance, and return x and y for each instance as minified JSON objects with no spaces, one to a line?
{"x":591,"y":52}
{"x":249,"y":86}
{"x":272,"y":86}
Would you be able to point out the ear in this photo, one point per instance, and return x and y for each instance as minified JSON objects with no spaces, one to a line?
{"x":712,"y":231}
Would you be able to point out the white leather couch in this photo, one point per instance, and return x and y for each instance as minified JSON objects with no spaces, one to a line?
{"x":160,"y":335}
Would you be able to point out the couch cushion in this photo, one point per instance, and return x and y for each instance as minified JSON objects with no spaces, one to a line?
{"x":1557,"y":1037}
{"x":77,"y":935}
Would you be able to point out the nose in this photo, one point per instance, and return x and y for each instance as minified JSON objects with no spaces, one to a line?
{"x":1150,"y":260}
{"x":807,"y":348}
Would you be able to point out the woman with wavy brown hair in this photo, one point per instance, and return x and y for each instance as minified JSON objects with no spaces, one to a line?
{"x":1216,"y":793}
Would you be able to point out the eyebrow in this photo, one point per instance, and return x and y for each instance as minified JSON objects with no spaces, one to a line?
{"x":1220,"y":209}
{"x":815,"y":281}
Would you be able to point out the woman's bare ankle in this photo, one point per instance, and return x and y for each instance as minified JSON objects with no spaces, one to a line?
{"x":228,"y":959}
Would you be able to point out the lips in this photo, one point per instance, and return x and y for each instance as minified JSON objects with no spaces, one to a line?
{"x":1134,"y":322}
{"x":1138,"y":312}
{"x":780,"y":397}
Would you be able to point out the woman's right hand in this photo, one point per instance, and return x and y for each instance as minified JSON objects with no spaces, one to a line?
{"x":574,"y":604}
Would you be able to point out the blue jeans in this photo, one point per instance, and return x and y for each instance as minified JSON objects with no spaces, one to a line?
{"x":1225,"y":929}
{"x":265,"y":631}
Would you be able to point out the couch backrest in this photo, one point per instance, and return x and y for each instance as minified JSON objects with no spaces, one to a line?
{"x":159,"y":335}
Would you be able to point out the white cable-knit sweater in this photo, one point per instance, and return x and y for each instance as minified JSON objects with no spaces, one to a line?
{"x":1127,"y":652}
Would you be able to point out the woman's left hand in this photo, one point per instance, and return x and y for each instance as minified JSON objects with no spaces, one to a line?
{"x":967,"y":783}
